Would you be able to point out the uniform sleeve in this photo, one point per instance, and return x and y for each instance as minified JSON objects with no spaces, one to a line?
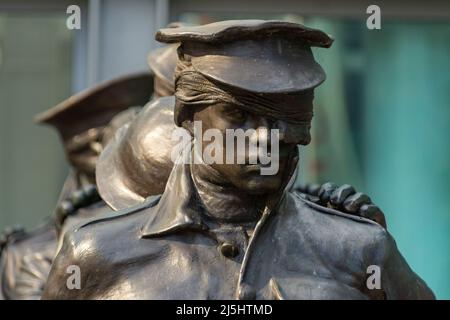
{"x":399,"y":281}
{"x":2,"y":271}
{"x":57,"y":287}
{"x":23,"y":274}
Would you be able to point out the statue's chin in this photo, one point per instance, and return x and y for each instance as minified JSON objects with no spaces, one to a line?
{"x":260,"y":185}
{"x":84,"y":163}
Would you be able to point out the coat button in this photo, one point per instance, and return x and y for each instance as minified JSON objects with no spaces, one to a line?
{"x":228,"y":250}
{"x":246,"y":292}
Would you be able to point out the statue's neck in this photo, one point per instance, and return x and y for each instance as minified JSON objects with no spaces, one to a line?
{"x":222,"y":201}
{"x":84,"y":179}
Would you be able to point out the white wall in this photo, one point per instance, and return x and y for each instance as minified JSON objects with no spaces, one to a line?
{"x":125,"y":36}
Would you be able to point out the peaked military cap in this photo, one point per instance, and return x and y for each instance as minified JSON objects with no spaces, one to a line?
{"x":254,"y":55}
{"x":162,"y":62}
{"x":96,"y":106}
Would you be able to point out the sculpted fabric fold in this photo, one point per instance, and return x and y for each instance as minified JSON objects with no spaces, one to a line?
{"x":195,"y":89}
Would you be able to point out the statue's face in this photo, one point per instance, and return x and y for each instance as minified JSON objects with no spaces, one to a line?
{"x":248,"y":177}
{"x":85,"y":161}
{"x":83,"y":151}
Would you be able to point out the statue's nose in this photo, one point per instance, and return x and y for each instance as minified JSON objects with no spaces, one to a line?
{"x":281,"y":126}
{"x":292,"y":134}
{"x":264,"y":130}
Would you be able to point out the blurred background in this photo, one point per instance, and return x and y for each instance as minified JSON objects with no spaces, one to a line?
{"x":382,"y":118}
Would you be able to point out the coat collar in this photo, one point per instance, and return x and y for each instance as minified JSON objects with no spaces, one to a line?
{"x":179,"y":207}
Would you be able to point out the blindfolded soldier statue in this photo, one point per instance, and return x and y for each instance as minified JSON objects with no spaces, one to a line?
{"x":223,"y":230}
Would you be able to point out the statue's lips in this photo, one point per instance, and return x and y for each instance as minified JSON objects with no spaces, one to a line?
{"x":251,"y":168}
{"x":282,"y":154}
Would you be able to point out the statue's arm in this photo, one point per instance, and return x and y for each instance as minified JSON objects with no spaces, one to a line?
{"x":8,"y":264}
{"x":343,"y":198}
{"x":2,"y":271}
{"x":398,"y":280}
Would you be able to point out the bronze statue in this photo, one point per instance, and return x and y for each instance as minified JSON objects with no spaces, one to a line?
{"x":82,"y":122}
{"x":225,"y":231}
{"x":136,"y":162}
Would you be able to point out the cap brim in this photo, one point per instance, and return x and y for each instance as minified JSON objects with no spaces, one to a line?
{"x":110,"y":177}
{"x":146,"y":143}
{"x":232,"y":30}
{"x":119,"y":93}
{"x":163,"y":61}
{"x":261,"y":75}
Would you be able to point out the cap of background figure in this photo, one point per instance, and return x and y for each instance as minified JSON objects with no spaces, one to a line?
{"x":162,"y":62}
{"x":80,"y":120}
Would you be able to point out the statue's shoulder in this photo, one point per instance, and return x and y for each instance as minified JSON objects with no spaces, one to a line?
{"x":17,"y":239}
{"x":96,"y":246}
{"x":107,"y":230}
{"x":333,"y":223}
{"x":305,"y":200}
{"x":160,"y":103}
{"x":158,"y":112}
{"x":26,"y":260}
{"x":10,"y":235}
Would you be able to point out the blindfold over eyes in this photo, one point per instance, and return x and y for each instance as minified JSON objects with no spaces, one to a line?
{"x":193,"y":88}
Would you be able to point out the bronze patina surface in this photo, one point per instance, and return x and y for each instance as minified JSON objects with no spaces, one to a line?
{"x":224,"y":231}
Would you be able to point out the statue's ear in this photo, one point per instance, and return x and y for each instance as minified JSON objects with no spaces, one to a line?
{"x":184,"y":117}
{"x":188,"y":124}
